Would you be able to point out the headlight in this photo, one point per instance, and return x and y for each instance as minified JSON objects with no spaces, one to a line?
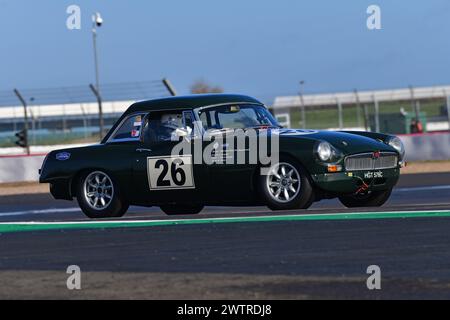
{"x":397,"y":144}
{"x":324,"y":151}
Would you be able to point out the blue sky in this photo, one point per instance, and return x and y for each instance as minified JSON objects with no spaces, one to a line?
{"x":261,"y":48}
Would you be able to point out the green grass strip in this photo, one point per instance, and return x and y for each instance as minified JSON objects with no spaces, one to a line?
{"x":42,"y":226}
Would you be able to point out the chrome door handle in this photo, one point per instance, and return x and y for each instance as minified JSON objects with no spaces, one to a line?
{"x":143,"y":150}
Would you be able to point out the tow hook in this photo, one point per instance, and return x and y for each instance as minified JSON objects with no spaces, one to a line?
{"x":363,"y":188}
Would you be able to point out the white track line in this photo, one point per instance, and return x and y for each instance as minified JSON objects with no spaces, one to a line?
{"x":34,"y":212}
{"x":130,"y":222}
{"x":429,"y":188}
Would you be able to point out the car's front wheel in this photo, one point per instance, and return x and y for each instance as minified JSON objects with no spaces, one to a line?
{"x":173,"y":210}
{"x":286,"y":186}
{"x":370,"y":199}
{"x":99,"y":196}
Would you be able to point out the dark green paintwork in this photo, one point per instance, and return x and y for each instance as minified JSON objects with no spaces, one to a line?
{"x":215,"y":184}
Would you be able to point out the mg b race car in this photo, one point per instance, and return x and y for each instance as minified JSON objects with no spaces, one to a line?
{"x":184,"y":153}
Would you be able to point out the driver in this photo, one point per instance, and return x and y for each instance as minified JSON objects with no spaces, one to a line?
{"x":163,"y":129}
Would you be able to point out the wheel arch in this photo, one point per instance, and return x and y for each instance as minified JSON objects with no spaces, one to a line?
{"x":285,"y":155}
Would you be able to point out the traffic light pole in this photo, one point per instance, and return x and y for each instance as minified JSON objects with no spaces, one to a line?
{"x":25,"y":125}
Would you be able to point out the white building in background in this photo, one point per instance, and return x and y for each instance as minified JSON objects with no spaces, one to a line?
{"x":61,"y":110}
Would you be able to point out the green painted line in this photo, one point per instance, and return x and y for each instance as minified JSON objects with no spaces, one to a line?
{"x":42,"y":226}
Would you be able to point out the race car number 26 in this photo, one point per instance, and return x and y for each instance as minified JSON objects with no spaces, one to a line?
{"x":172,"y":172}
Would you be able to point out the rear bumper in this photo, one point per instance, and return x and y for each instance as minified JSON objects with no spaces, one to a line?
{"x":349,"y":182}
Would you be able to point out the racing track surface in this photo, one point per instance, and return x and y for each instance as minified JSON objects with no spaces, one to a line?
{"x":235,"y":252}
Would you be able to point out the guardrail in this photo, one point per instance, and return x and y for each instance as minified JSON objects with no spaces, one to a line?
{"x":20,"y":168}
{"x":427,"y":146}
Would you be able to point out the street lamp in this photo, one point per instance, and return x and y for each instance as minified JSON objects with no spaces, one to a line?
{"x":97,"y":22}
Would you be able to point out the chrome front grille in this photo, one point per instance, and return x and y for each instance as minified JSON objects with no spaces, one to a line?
{"x":367,"y":161}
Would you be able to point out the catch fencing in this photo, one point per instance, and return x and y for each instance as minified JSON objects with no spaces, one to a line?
{"x":70,"y":114}
{"x":394,"y":111}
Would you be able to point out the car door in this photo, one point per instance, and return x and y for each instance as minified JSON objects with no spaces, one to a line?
{"x":229,"y":176}
{"x":164,"y":168}
{"x":231,"y":179}
{"x":120,"y":150}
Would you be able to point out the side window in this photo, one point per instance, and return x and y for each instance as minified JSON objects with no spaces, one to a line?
{"x":189,"y":123}
{"x":130,"y":129}
{"x":188,"y":119}
{"x":161,"y":126}
{"x":205,"y":121}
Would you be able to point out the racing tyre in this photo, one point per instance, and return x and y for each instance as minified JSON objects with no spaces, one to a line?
{"x":99,"y":197}
{"x":173,"y":210}
{"x":286,"y":186}
{"x":372,"y":199}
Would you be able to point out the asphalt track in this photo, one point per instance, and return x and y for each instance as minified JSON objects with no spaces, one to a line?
{"x":322,"y":252}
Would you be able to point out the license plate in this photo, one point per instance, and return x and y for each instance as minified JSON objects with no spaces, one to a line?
{"x":373,"y":174}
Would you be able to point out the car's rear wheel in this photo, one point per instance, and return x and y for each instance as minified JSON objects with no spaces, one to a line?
{"x":99,"y":196}
{"x":371,"y":199}
{"x":173,"y":210}
{"x":286,"y":186}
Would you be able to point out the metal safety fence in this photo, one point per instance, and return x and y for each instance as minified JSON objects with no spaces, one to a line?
{"x":69,"y":114}
{"x":397,"y":111}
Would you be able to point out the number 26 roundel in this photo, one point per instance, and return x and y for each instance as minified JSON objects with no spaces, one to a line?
{"x":172,"y":172}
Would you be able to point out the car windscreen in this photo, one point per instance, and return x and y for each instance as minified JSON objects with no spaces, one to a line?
{"x":237,"y":117}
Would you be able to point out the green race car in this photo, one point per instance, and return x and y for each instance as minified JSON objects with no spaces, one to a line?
{"x":184,"y":153}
